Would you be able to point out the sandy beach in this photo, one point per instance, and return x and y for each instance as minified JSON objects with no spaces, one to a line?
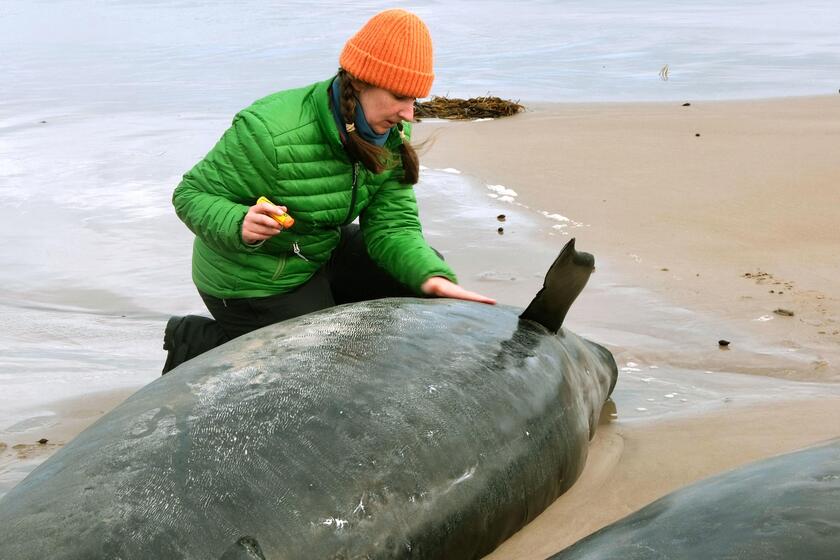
{"x":726,"y":208}
{"x":716,"y":220}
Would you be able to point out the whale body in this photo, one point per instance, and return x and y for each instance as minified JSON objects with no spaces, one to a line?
{"x":780,"y":508}
{"x":394,"y":428}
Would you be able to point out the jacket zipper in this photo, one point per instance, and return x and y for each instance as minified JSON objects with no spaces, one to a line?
{"x":353,"y":190}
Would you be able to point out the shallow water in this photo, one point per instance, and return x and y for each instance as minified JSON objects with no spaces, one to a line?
{"x":218,"y":56}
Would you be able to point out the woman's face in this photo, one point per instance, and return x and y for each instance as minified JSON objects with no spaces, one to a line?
{"x":383,"y":109}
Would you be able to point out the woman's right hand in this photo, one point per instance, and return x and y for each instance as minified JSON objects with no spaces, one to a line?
{"x":258,"y":224}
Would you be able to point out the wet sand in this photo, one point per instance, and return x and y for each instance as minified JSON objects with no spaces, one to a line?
{"x":27,"y":443}
{"x":723,"y":217}
{"x":697,"y":238}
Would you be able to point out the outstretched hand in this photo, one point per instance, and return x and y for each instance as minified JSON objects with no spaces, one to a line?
{"x":258,"y":224}
{"x":441,"y":287}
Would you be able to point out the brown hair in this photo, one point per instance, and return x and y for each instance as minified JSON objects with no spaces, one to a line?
{"x":374,"y":158}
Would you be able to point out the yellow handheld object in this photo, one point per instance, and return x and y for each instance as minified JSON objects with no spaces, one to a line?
{"x":283,"y":219}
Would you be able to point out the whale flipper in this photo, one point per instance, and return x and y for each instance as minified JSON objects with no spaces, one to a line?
{"x":563,"y":282}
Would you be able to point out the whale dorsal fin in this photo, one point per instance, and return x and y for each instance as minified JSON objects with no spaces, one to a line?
{"x":563,"y":282}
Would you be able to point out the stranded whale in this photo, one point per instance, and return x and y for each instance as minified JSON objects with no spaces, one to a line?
{"x":396,"y":428}
{"x":779,"y":508}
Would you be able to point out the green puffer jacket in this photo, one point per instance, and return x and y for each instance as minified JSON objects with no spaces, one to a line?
{"x":286,"y":147}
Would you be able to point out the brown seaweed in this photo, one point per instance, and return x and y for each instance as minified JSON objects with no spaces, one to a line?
{"x":463,"y":109}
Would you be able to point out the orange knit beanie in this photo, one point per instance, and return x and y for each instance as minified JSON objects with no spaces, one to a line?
{"x":392,"y":51}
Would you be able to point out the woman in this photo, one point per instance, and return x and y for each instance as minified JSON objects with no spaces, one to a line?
{"x":327,"y":153}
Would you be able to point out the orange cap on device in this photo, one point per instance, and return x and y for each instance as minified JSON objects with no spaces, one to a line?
{"x":283,"y":219}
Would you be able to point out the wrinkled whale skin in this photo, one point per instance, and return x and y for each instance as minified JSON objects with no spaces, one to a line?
{"x":785,"y":507}
{"x":396,"y":428}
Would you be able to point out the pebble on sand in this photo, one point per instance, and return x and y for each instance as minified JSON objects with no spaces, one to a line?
{"x":783,"y":312}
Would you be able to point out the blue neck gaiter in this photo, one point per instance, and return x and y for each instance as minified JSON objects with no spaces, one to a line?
{"x":362,"y":126}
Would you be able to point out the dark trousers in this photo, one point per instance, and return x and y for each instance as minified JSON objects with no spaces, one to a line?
{"x":350,"y":275}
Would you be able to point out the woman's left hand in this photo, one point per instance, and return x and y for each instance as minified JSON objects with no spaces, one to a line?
{"x":441,"y":287}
